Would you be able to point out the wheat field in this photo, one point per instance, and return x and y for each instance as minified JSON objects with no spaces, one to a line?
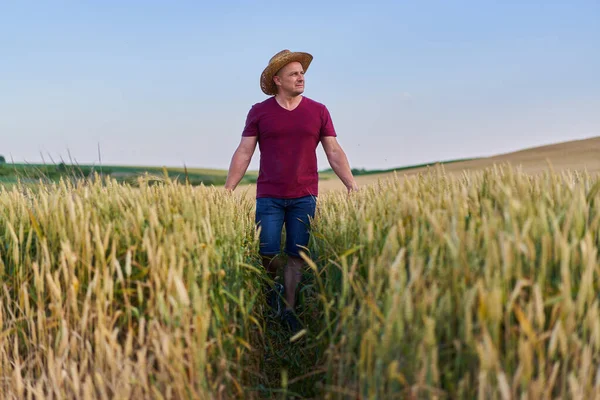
{"x":475,"y":285}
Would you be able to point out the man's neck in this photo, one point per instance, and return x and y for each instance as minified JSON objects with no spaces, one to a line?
{"x":288,"y":102}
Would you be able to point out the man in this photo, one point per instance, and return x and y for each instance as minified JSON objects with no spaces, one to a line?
{"x":288,"y":128}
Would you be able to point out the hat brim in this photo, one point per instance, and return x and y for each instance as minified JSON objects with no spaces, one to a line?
{"x":266,"y":78}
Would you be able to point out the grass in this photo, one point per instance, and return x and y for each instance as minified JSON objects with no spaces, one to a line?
{"x":482,"y":285}
{"x":125,"y":290}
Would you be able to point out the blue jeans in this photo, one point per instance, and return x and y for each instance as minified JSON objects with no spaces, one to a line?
{"x":273,"y":213}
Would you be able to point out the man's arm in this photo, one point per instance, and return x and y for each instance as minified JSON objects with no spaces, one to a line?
{"x":240,"y":161}
{"x":338,"y":161}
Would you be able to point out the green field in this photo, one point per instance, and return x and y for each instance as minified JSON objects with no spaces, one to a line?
{"x":34,"y":173}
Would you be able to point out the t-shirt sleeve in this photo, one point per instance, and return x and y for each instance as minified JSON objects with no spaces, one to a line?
{"x":327,"y":128}
{"x":251,"y":127}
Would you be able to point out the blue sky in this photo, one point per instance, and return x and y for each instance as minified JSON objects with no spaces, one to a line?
{"x":168,"y":83}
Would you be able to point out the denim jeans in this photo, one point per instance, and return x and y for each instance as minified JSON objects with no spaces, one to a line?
{"x":273,"y":213}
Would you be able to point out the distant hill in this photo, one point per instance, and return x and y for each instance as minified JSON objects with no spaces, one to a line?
{"x":580,"y":155}
{"x":572,"y":155}
{"x":362,"y":171}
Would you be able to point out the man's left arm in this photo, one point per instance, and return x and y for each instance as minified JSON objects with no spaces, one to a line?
{"x":338,"y":161}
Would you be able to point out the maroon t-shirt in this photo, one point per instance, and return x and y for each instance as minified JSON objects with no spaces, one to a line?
{"x":288,"y":142}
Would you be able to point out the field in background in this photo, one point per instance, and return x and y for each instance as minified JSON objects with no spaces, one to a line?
{"x":11,"y":173}
{"x":573,"y":155}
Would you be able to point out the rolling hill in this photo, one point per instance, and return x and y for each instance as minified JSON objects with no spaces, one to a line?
{"x":572,"y":155}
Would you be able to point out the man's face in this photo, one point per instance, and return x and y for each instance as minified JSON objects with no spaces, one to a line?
{"x":290,"y":79}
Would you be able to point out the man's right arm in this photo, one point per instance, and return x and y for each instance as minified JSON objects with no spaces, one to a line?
{"x":240,"y":161}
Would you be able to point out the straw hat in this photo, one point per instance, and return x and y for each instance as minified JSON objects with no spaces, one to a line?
{"x":277,"y":62}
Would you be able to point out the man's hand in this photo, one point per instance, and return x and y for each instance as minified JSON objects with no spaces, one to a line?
{"x":228,"y":190}
{"x":353,"y":188}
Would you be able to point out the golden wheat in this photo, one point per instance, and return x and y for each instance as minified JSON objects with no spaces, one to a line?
{"x":483,"y":285}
